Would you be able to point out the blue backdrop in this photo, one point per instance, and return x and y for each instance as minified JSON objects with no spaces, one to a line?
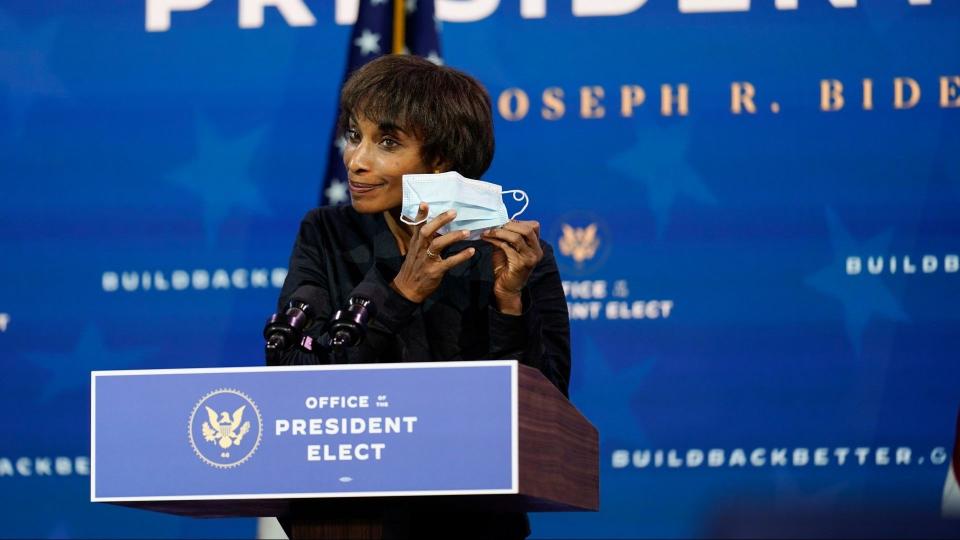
{"x":755,"y":210}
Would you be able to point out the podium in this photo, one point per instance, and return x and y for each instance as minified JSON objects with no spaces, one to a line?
{"x":331,"y":450}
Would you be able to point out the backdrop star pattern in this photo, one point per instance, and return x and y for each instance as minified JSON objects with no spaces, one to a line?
{"x":71,"y":370}
{"x":604,"y":395}
{"x":862,"y":297}
{"x":658,"y":161}
{"x":25,"y":73}
{"x":219,"y":175}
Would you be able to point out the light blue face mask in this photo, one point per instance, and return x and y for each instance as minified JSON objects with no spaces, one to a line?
{"x":479,"y":204}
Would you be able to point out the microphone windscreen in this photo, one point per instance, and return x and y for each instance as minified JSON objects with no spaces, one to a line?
{"x":368,"y":291}
{"x":310,"y":295}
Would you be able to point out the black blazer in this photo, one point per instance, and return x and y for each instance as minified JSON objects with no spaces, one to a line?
{"x":337,"y":249}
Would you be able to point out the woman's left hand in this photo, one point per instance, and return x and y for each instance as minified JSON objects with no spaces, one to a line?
{"x":517,"y":253}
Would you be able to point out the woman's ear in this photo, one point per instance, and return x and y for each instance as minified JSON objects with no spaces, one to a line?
{"x":440,"y":165}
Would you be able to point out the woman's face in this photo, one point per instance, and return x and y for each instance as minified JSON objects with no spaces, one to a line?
{"x":376,"y":158}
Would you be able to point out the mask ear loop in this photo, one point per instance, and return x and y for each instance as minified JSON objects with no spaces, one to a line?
{"x":519,"y":195}
{"x":404,"y":219}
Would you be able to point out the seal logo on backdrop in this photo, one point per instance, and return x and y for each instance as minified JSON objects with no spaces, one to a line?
{"x":225,"y":428}
{"x":583,"y":242}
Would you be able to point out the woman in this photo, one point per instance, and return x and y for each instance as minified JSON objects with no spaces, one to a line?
{"x":443,"y":298}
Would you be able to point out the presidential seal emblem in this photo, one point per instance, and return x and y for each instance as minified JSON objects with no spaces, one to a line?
{"x":583,"y":242}
{"x":225,"y":428}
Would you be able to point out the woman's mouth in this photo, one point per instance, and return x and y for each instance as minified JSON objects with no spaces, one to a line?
{"x":359,"y":187}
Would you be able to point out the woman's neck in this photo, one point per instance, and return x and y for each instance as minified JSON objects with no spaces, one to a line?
{"x":402,"y":232}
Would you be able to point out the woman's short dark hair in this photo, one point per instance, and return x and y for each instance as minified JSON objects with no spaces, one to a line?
{"x":448,"y":110}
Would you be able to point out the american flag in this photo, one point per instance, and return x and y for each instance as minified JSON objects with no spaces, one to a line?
{"x":382,"y":27}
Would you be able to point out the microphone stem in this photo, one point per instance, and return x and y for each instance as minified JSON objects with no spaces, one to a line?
{"x":340,"y":355}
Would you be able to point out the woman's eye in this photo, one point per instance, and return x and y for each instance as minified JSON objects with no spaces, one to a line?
{"x":353,"y":135}
{"x":387,"y":142}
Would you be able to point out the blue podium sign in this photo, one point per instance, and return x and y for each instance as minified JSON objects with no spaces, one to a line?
{"x":444,"y":428}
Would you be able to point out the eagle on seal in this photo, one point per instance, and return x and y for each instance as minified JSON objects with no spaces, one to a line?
{"x":224,"y":431}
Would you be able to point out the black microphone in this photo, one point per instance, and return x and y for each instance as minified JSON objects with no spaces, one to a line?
{"x":285,"y":330}
{"x":349,"y":326}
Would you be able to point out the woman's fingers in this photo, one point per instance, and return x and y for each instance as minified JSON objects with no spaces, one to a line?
{"x":441,"y":243}
{"x":458,"y":258}
{"x":520,"y":241}
{"x":513,"y":256}
{"x":433,"y":225}
{"x":529,"y":230}
{"x":514,"y":239}
{"x":422,"y":211}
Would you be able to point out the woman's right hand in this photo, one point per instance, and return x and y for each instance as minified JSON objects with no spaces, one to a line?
{"x":423,"y":268}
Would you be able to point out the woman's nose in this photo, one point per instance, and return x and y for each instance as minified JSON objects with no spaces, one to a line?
{"x":356,"y":157}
